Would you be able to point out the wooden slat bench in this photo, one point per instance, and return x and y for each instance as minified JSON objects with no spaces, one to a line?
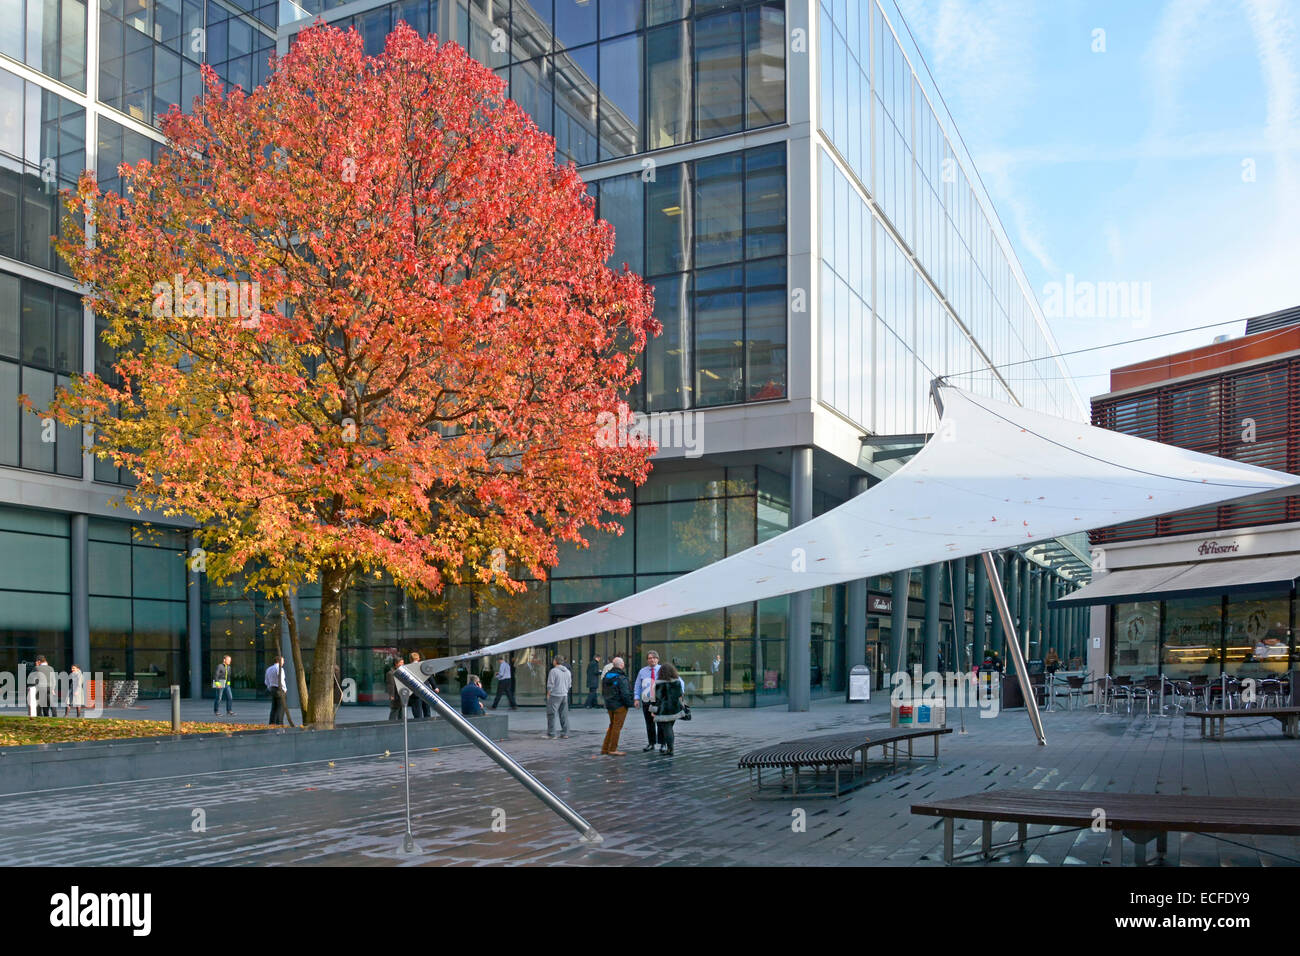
{"x":1141,"y":817}
{"x":835,"y":752}
{"x":1289,"y":717}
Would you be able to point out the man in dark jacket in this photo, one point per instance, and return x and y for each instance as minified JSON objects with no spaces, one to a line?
{"x":593,"y":681}
{"x":221,"y":682}
{"x":618,"y":698}
{"x":394,"y":698}
{"x":472,"y":697}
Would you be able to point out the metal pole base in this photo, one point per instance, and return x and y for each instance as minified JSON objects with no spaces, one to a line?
{"x":592,"y":837}
{"x":410,"y":847}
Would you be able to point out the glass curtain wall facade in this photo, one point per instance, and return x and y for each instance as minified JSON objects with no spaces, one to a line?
{"x":894,"y":187}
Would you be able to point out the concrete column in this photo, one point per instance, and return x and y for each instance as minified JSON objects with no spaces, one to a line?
{"x":979,"y":609}
{"x":898,"y":622}
{"x":1062,"y":636}
{"x":194,"y":619}
{"x":1012,"y":579}
{"x":933,"y":592}
{"x":995,"y":629}
{"x":855,"y":593}
{"x":799,"y":646}
{"x":1026,"y":594}
{"x":80,"y":547}
{"x":958,"y":569}
{"x":1044,"y":622}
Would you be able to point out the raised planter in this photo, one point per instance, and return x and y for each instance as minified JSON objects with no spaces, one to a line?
{"x":85,"y":763}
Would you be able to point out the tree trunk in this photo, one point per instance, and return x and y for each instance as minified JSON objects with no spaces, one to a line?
{"x":333,"y":587}
{"x":286,"y":605}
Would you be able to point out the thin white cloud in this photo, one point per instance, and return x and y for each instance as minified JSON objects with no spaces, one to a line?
{"x":1274,"y":29}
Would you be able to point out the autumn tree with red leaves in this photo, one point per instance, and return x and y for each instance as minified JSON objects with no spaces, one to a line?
{"x":365,"y":327}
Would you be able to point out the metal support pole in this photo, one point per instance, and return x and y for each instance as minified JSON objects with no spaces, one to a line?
{"x":900,"y":585}
{"x":957,"y":583}
{"x":1013,"y":645}
{"x":408,"y":842}
{"x":475,"y":736}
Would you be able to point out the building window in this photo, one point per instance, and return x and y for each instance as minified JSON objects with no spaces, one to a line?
{"x":42,"y":149}
{"x":47,"y":35}
{"x":35,"y":588}
{"x":40,"y":348}
{"x":138,"y":610}
{"x":1191,"y":634}
{"x":724,"y":328}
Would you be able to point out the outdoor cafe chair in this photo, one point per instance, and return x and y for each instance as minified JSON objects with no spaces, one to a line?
{"x":1268,"y":693}
{"x":1074,"y":690}
{"x":1121,"y":689}
{"x":1224,"y":691}
{"x":1102,"y":693}
{"x":1142,"y":692}
{"x":1186,"y":695}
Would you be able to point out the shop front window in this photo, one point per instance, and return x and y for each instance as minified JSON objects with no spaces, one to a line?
{"x":1258,"y":635}
{"x":1192,"y":637}
{"x":1137,"y":635}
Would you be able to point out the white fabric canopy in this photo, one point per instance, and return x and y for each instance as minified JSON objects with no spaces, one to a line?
{"x":993,"y":476}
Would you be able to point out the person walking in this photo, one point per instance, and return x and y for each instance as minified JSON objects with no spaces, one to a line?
{"x":420,"y":709}
{"x":668,"y":707}
{"x":221,"y":684}
{"x":472,"y":697}
{"x":390,"y":685}
{"x":644,"y":693}
{"x":618,"y":698}
{"x":277,"y":686}
{"x":593,"y":681}
{"x":76,"y":692}
{"x":505,"y":684}
{"x":558,"y":683}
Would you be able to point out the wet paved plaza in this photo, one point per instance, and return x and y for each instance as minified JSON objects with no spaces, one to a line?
{"x":695,"y":807}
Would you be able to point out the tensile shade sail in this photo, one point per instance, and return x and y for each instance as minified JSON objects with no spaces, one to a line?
{"x":993,"y":476}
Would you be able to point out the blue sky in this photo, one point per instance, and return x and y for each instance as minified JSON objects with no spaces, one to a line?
{"x":1133,"y":164}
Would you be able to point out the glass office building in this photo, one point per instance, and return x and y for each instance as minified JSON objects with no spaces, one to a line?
{"x":780,"y":172}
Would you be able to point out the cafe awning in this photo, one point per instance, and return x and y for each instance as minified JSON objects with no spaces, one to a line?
{"x":1234,"y":576}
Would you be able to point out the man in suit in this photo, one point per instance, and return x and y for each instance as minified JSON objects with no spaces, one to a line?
{"x":277,"y":686}
{"x":643,"y":690}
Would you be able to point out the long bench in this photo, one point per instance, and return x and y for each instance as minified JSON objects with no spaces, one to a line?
{"x":1289,"y":717}
{"x":1139,"y":816}
{"x":834,"y":752}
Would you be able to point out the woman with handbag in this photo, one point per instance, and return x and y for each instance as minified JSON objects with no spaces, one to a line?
{"x":668,"y":705}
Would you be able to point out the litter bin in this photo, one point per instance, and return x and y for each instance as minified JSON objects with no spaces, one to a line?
{"x":860,"y":683}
